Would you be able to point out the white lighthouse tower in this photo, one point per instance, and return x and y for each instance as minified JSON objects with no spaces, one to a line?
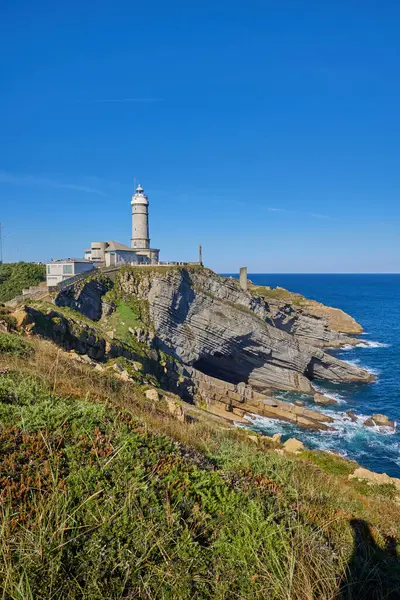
{"x":140,"y":241}
{"x":140,"y":220}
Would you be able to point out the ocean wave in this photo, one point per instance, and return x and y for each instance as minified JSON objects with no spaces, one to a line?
{"x":375,"y":345}
{"x":356,"y":362}
{"x":366,"y":344}
{"x":349,"y":438}
{"x":335,"y":396}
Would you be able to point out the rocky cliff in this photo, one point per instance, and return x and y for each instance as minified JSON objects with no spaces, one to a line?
{"x":208,"y":323}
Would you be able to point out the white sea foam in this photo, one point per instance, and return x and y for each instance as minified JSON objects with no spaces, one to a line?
{"x":356,"y":362}
{"x":337,"y":397}
{"x":375,"y":345}
{"x":366,"y":344}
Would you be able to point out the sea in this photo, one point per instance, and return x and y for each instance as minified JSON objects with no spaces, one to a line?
{"x":374,"y":301}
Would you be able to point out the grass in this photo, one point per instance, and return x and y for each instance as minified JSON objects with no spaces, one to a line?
{"x":105,"y":495}
{"x":13,"y":344}
{"x":276,"y":294}
{"x":330,"y":463}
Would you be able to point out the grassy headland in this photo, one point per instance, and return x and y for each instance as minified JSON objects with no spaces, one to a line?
{"x":105,"y":494}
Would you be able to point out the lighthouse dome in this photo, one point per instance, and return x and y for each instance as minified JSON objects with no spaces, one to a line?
{"x":139,"y":196}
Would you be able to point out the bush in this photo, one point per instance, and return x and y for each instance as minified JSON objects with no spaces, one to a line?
{"x":13,"y":344}
{"x":14,"y":277}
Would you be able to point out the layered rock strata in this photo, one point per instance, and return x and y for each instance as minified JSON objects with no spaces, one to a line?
{"x":209,"y":323}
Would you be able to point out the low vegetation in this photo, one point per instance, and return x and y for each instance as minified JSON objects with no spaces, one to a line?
{"x":14,"y":277}
{"x":277,"y":293}
{"x":104,"y":494}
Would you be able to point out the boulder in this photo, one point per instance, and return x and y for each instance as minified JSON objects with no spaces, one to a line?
{"x":299,"y":402}
{"x":293,"y":446}
{"x":124,"y":375}
{"x":383,"y":420}
{"x":323,"y":400}
{"x":379,"y":420}
{"x":21,"y":318}
{"x":276,"y":438}
{"x":152,"y":395}
{"x":352,"y":415}
{"x":175,"y":409}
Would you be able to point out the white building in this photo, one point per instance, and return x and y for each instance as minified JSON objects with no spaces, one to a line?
{"x":113,"y":253}
{"x":60,"y":270}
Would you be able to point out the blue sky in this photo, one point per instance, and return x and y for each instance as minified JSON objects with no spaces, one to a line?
{"x":267,"y":131}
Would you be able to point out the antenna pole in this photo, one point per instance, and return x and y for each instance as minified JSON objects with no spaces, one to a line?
{"x":201,"y":254}
{"x":1,"y":245}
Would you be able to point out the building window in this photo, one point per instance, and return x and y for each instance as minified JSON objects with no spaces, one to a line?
{"x":48,"y":269}
{"x":67,"y":269}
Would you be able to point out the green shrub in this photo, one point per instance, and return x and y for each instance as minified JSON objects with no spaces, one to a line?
{"x":13,"y":344}
{"x":14,"y":277}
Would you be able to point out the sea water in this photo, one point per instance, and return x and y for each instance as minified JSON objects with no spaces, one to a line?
{"x":374,"y":301}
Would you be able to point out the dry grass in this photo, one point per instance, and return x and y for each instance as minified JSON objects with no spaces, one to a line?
{"x":311,"y":538}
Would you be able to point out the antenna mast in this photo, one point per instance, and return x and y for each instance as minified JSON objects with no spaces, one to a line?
{"x":1,"y":245}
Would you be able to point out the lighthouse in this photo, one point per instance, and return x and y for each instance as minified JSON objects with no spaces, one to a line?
{"x":140,"y":220}
{"x":140,"y":240}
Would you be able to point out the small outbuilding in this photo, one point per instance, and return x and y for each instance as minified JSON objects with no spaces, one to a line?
{"x":62,"y":269}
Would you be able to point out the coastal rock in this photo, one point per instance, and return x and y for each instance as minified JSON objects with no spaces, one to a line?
{"x":293,"y":446}
{"x":209,"y":323}
{"x":324,"y":400}
{"x":299,"y":403}
{"x":352,"y":415}
{"x":375,"y":478}
{"x":379,"y":420}
{"x":246,"y":400}
{"x":276,"y":438}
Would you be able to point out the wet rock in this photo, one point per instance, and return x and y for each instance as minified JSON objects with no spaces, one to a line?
{"x":324,"y":400}
{"x":352,"y":415}
{"x":299,"y":402}
{"x":379,"y":420}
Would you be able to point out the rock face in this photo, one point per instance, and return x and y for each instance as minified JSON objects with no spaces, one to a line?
{"x":211,"y":324}
{"x":315,"y":323}
{"x":86,"y":297}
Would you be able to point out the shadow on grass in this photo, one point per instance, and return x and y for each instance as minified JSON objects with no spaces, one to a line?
{"x":373,"y":573}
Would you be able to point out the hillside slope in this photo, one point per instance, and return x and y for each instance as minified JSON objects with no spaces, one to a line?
{"x":108,"y":493}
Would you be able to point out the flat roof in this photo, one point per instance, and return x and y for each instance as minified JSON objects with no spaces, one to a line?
{"x":69,"y":260}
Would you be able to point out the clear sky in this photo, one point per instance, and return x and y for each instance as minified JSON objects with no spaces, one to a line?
{"x":268,"y":131}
